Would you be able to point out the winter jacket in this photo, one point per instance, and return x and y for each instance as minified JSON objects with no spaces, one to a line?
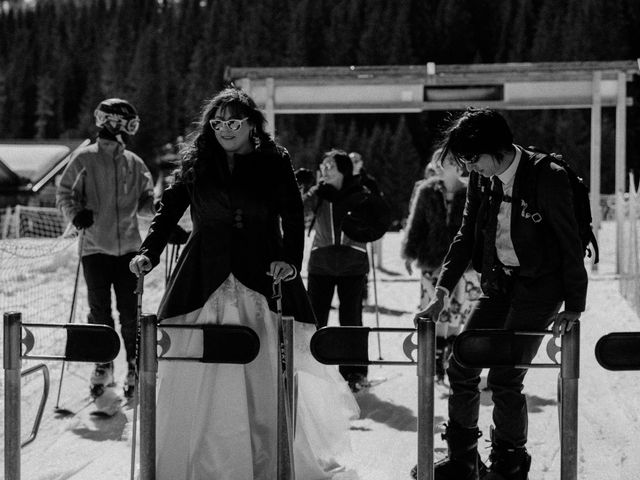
{"x":116,"y":188}
{"x":332,"y":251}
{"x":242,"y":221}
{"x":431,"y":225}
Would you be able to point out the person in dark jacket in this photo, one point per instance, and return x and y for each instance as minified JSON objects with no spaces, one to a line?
{"x":336,"y":260}
{"x":435,"y":216}
{"x":220,"y":421}
{"x":519,"y":230}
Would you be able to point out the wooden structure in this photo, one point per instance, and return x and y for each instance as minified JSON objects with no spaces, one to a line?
{"x":416,"y":88}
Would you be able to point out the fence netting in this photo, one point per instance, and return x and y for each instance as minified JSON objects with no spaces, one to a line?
{"x":38,"y":268}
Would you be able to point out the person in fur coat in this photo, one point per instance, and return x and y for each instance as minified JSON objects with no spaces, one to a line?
{"x":435,"y":215}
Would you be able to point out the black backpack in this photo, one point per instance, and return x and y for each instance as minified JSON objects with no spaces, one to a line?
{"x":368,"y":219}
{"x":581,"y":203}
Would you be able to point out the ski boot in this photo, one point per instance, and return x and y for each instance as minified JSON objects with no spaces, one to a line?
{"x":101,"y":378}
{"x":463,"y":462}
{"x":129,"y":386}
{"x":507,"y":462}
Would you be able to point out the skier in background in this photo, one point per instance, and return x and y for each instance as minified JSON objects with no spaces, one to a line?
{"x":101,"y":192}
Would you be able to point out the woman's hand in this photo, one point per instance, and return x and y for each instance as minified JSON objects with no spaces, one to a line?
{"x":280,"y":271}
{"x":140,"y":264}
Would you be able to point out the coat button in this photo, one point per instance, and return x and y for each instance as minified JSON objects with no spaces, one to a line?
{"x":238,"y":218}
{"x":238,"y":225}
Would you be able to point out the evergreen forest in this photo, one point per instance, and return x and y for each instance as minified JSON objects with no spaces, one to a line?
{"x":60,"y":58}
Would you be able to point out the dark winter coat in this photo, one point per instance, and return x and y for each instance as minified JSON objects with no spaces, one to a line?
{"x":430,"y":228}
{"x":242,"y":221}
{"x":544,"y":231}
{"x":333,"y":252}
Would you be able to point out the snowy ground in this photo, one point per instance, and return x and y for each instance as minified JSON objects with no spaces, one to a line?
{"x":384,"y":438}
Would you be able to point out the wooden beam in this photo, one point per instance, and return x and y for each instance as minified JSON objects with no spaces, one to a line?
{"x":596,"y":149}
{"x":270,"y":106}
{"x":621,"y":165}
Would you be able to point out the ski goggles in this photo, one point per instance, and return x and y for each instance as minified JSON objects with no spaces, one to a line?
{"x":232,"y":124}
{"x":117,"y":122}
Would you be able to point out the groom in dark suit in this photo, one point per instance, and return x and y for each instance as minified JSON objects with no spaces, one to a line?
{"x":519,"y":230}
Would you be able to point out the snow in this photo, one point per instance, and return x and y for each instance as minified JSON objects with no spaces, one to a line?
{"x":384,"y":438}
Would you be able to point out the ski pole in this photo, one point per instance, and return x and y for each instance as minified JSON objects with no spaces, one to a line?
{"x":72,"y":313}
{"x":138,"y":292}
{"x":167,"y":272}
{"x":375,"y":299}
{"x":285,"y":452}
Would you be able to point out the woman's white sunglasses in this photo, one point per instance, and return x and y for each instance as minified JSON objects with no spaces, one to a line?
{"x":232,"y":124}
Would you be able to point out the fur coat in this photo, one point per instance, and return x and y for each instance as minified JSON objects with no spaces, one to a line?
{"x":431,"y":226}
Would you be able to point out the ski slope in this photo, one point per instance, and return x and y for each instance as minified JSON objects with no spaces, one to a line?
{"x":81,"y":446}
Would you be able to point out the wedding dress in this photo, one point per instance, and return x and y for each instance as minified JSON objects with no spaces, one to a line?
{"x":218,"y":421}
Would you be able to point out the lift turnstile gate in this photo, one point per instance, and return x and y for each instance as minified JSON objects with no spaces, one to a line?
{"x":221,"y":344}
{"x":498,"y":348}
{"x":84,"y":343}
{"x":347,"y":346}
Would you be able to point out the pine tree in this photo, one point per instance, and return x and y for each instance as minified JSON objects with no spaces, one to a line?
{"x":373,"y":44}
{"x":399,"y":51}
{"x":548,"y":31}
{"x":457,"y":40}
{"x":306,"y":34}
{"x":152,"y":106}
{"x":45,"y":107}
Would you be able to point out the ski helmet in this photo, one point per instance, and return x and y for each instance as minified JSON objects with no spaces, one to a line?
{"x":117,"y":116}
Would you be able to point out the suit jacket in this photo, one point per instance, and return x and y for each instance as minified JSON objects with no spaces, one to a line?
{"x":242,"y":221}
{"x":544,"y":230}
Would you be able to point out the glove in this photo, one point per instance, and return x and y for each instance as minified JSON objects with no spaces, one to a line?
{"x":83,"y":219}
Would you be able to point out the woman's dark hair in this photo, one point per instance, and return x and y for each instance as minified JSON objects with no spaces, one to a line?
{"x":202,"y":147}
{"x":477,"y":131}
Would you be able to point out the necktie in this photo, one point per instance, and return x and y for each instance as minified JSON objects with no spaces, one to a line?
{"x":489,"y":278}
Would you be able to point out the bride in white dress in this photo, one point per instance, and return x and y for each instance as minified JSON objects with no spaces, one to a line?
{"x":219,"y":421}
{"x":222,"y":417}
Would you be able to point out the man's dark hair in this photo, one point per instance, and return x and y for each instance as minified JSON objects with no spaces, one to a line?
{"x":477,"y":131}
{"x":343,"y":162}
{"x":305,"y":178}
